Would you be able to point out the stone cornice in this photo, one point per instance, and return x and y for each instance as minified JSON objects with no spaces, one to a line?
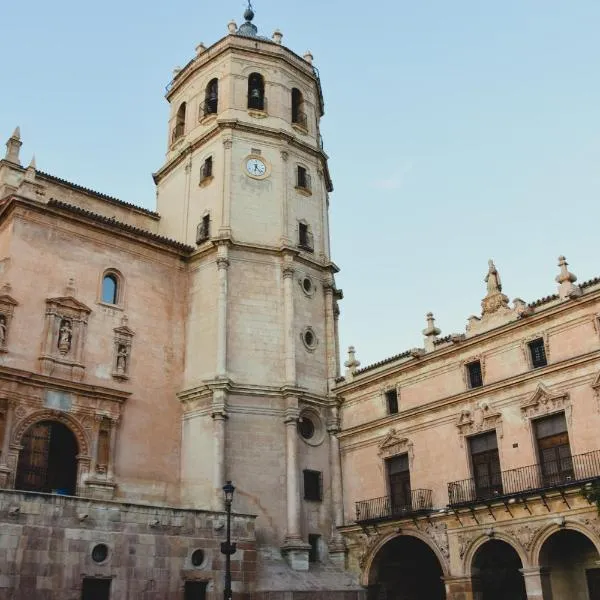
{"x":29,"y":378}
{"x":472,"y":394}
{"x":386,"y":370}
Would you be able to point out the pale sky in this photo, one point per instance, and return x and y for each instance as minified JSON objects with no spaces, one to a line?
{"x":457,"y":131}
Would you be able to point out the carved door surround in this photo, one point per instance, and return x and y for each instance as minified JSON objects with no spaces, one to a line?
{"x":63,"y":339}
{"x":394,"y":444}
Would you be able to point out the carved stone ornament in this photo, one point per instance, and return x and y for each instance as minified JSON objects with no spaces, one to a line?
{"x":476,"y":420}
{"x":367,"y":544}
{"x":63,"y":339}
{"x":465,"y":540}
{"x":393,"y":444}
{"x":524,"y":534}
{"x":544,"y":402}
{"x":596,"y":388}
{"x":438,"y":533}
{"x":123,"y":339}
{"x":7,"y":306}
{"x":495,"y":299}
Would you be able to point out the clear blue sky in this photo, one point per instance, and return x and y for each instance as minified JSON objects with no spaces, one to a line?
{"x":458,"y":131}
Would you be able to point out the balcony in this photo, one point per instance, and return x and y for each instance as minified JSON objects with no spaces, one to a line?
{"x":383,"y":509}
{"x":533,"y":479}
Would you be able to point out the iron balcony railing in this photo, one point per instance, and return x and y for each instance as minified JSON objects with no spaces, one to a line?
{"x":378,"y":509}
{"x":568,"y":470}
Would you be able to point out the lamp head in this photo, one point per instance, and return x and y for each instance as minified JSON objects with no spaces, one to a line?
{"x":228,"y":490}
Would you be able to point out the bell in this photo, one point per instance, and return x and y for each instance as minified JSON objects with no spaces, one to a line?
{"x":255,"y":93}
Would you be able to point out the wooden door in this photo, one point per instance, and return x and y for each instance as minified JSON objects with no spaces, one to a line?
{"x":95,"y":589}
{"x":32,"y":469}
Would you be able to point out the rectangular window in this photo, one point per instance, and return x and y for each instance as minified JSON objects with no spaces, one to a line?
{"x":485,"y":461}
{"x":313,"y":553}
{"x":313,"y":485}
{"x":399,"y":481}
{"x":474,"y":373}
{"x":538,"y":353}
{"x":554,"y":450}
{"x":203,"y":230}
{"x":195,"y":590}
{"x":391,"y":399}
{"x":95,"y":589}
{"x":303,"y":179}
{"x":207,"y":169}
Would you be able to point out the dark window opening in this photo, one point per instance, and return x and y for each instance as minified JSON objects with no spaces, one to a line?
{"x":306,"y":428}
{"x":303,"y":178}
{"x":313,"y":553}
{"x":179,"y":122}
{"x":211,"y":97}
{"x":109,"y":289}
{"x":256,"y":91}
{"x":48,"y":460}
{"x":554,"y":450}
{"x":100,"y":553}
{"x":298,"y":114}
{"x":197,"y":557}
{"x":203,"y":230}
{"x":485,"y":462}
{"x":391,"y":398}
{"x":305,"y":240}
{"x":195,"y":590}
{"x":398,"y":471}
{"x":207,"y":169}
{"x":475,"y":374}
{"x":95,"y":589}
{"x":538,"y":353}
{"x":313,"y":485}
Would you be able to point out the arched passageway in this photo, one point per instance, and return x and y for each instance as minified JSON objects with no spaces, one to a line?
{"x":406,"y":568}
{"x":573,"y":565}
{"x":48,"y":460}
{"x":495,"y":572}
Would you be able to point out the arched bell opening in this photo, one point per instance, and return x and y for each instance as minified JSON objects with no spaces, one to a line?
{"x":496,"y":572}
{"x":406,"y":568}
{"x":572,"y":563}
{"x":48,"y":459}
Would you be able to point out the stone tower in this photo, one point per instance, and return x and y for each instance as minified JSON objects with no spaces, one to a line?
{"x":246,"y":181}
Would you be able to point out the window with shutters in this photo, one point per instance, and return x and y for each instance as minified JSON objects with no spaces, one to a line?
{"x":537,"y":352}
{"x":554,"y":450}
{"x":398,"y":471}
{"x":313,"y":485}
{"x":391,"y":400}
{"x":474,"y":374}
{"x":485,"y":462}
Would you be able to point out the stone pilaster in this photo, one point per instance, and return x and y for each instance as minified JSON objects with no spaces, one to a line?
{"x":8,"y":426}
{"x":222,"y":266}
{"x":289,"y":342}
{"x":219,"y":416}
{"x":330,"y":335}
{"x":459,"y":588}
{"x":225,"y":229}
{"x":285,"y":234}
{"x":537,"y":583}
{"x":337,"y":547}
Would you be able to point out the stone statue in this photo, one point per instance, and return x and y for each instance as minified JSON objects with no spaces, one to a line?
{"x":122,"y":358}
{"x":2,"y":330}
{"x":65,"y":335}
{"x":493,"y":279}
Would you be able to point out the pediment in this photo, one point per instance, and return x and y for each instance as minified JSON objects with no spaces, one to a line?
{"x":69,"y":302}
{"x":479,"y":418}
{"x":124,"y":331}
{"x":394,"y":443}
{"x":596,"y":383}
{"x":544,"y":401}
{"x":6,"y":300}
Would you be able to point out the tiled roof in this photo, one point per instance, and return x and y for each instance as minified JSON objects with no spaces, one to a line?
{"x":385,"y":361}
{"x":447,"y":338}
{"x":112,"y":221}
{"x":60,"y":181}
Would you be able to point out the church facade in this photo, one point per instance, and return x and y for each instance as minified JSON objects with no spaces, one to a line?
{"x":146,"y":358}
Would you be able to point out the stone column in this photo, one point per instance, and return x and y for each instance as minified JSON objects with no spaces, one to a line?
{"x":294,"y":549}
{"x":8,"y":428}
{"x":225,"y":229}
{"x":337,"y":547}
{"x":219,"y":416}
{"x":330,"y":335}
{"x":289,"y":342}
{"x":285,"y":237}
{"x":459,"y":588}
{"x":537,"y":583}
{"x":222,"y":266}
{"x":112,"y":449}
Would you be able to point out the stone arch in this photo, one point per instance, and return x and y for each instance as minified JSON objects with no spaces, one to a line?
{"x":479,"y":541}
{"x":364,"y":577}
{"x":71,"y":422}
{"x":546,"y":532}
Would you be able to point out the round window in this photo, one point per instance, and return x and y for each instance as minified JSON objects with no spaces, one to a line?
{"x":197,"y":557}
{"x":100,"y":553}
{"x":306,"y":428}
{"x":307,"y":285}
{"x":309,"y":338}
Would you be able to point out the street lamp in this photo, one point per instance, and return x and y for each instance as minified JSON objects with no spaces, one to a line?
{"x":227,"y":548}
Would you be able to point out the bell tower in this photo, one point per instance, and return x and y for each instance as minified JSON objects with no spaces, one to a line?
{"x":246,"y":183}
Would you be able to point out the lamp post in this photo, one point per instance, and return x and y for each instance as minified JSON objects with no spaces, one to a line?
{"x":227,"y":548}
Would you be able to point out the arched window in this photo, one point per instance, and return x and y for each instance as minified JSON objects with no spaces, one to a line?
{"x":179,"y":122}
{"x":256,"y":91}
{"x":211,"y":97}
{"x":110,"y":289}
{"x":298,"y":113}
{"x":48,"y":460}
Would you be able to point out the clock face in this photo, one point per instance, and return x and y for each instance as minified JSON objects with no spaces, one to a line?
{"x":256,"y":167}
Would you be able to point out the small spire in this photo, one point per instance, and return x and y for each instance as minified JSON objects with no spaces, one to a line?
{"x":566,"y":280}
{"x":308,"y":57}
{"x":232,"y":26}
{"x":351,"y":364}
{"x":277,"y":36}
{"x":30,"y":173}
{"x":430,"y":332}
{"x":32,"y":164}
{"x":13,"y":147}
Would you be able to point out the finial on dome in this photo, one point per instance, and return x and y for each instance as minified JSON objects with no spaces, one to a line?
{"x":566,"y":280}
{"x":248,"y":29}
{"x":249,"y":12}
